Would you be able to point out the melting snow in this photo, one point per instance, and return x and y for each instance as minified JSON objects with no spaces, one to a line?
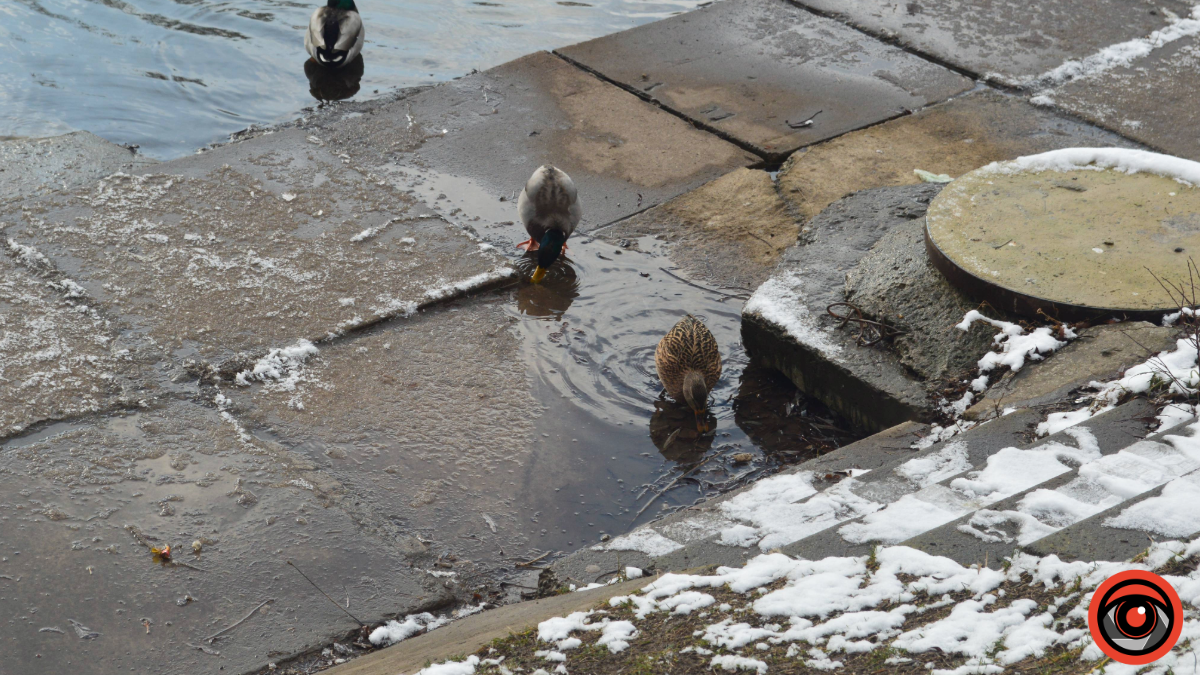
{"x":781,"y":301}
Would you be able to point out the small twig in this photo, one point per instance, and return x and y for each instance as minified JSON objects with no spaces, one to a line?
{"x":530,"y":562}
{"x":335,"y":604}
{"x":219,"y":633}
{"x":703,"y":288}
{"x":670,"y":486}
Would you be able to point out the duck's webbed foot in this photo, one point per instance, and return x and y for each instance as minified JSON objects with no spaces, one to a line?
{"x":528,"y":245}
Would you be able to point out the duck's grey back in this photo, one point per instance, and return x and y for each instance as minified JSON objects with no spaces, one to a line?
{"x":549,"y":201}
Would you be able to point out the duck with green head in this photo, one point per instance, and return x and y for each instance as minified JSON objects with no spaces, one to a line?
{"x":549,"y":209}
{"x":335,"y":34}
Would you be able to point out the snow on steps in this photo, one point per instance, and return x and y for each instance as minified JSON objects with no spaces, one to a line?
{"x":922,"y":497}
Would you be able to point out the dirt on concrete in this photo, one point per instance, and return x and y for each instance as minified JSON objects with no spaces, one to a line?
{"x":951,"y":138}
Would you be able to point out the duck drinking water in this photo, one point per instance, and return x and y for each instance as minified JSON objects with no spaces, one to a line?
{"x":549,"y":209}
{"x":689,"y":365}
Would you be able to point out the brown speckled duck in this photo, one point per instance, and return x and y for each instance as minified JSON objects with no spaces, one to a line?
{"x":689,"y":364}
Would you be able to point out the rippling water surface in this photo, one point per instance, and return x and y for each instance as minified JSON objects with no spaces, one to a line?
{"x":173,"y":75}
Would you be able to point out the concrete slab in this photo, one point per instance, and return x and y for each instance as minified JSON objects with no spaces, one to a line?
{"x":786,"y":326}
{"x":427,"y":426}
{"x":252,"y":246}
{"x":32,"y":166}
{"x":478,"y":139}
{"x":59,"y":356}
{"x":1150,"y":100}
{"x":953,"y":138}
{"x":85,"y":501}
{"x":1099,"y":354}
{"x":756,"y":70}
{"x":1003,"y":40}
{"x":897,"y":284}
{"x":730,"y":232}
{"x":1076,"y":245}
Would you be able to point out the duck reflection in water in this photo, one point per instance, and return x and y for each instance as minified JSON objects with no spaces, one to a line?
{"x":334,"y":84}
{"x":782,"y":421}
{"x":676,"y":434}
{"x":551,"y":298}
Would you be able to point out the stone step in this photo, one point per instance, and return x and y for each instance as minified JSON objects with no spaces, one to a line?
{"x":1123,"y":530}
{"x":1107,"y":483}
{"x":1004,"y":473}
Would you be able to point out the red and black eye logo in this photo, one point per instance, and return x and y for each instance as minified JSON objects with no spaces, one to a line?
{"x":1135,"y":617}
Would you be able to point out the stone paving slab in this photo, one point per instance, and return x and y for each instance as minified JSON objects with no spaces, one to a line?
{"x":730,"y":232}
{"x":745,"y":68}
{"x":59,"y":356}
{"x":477,"y":140}
{"x":953,"y":138}
{"x":1006,"y":40}
{"x":1151,"y":100}
{"x":427,"y":425}
{"x":31,"y":166}
{"x":252,"y":246}
{"x":76,"y":493}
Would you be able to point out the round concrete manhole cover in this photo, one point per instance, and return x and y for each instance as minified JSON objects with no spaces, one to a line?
{"x":1074,"y":233}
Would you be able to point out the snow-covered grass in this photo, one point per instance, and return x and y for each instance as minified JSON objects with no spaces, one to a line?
{"x":897,"y":607}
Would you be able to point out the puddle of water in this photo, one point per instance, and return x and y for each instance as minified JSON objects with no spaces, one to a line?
{"x":610,"y":439}
{"x":613,"y":440}
{"x":172,"y":76}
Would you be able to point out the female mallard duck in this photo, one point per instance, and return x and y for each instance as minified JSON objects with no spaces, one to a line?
{"x":689,"y":364}
{"x":335,"y":33}
{"x":549,"y":208}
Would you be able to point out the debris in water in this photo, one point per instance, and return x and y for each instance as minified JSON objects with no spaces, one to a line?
{"x":146,"y":623}
{"x":83,"y":631}
{"x":206,"y":650}
{"x":161,"y":555}
{"x":742,"y":457}
{"x":197,"y":546}
{"x":52,"y":629}
{"x":490,"y":523}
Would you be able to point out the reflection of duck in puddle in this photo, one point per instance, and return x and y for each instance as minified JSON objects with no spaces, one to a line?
{"x":334,"y":84}
{"x":674,"y":431}
{"x":551,"y":298}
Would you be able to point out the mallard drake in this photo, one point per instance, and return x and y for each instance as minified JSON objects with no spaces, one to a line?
{"x":335,"y":33}
{"x":689,"y":364}
{"x":549,"y":209}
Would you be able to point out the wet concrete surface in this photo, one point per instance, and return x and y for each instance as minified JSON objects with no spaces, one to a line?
{"x":491,"y":129}
{"x":248,"y":247}
{"x":951,"y":138}
{"x":1150,"y":100}
{"x":1006,"y":40}
{"x":729,"y":232}
{"x":30,"y":166}
{"x":59,"y":356}
{"x":758,"y":70}
{"x":84,"y":501}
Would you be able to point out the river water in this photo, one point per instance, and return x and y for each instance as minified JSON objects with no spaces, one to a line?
{"x":171,"y":76}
